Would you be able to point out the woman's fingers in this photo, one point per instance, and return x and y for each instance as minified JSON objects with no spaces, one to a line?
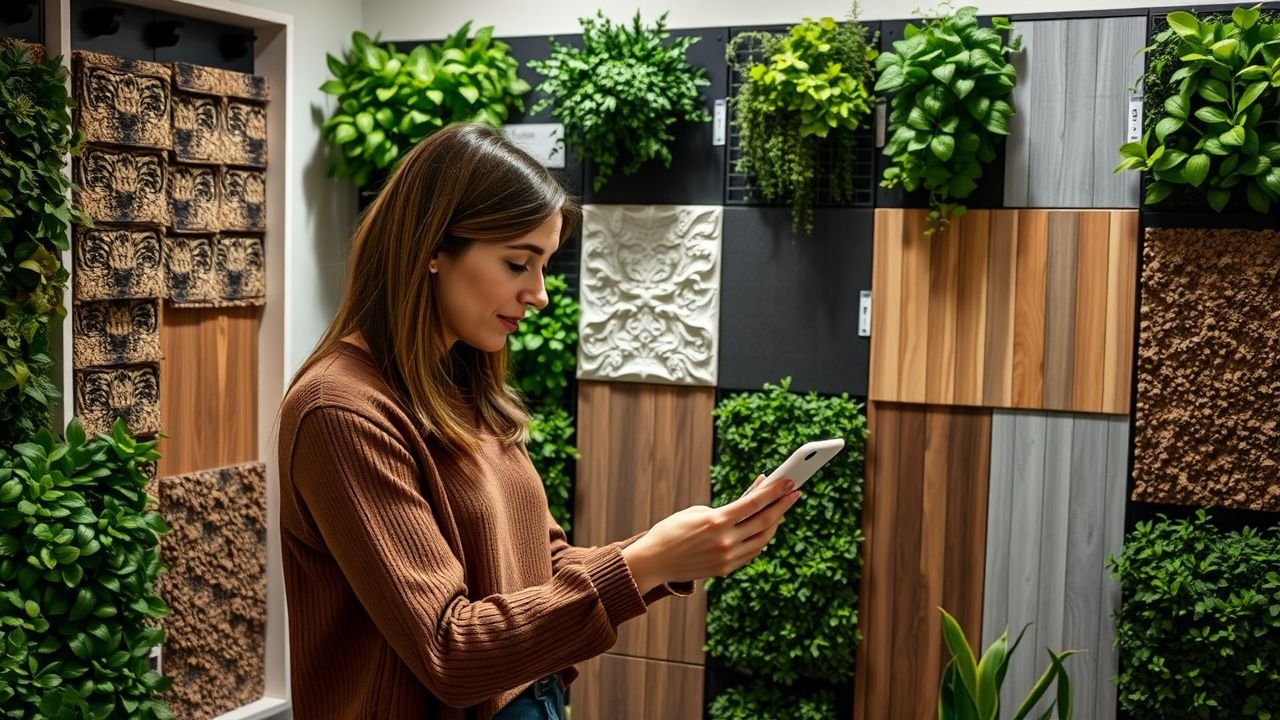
{"x":748,"y":505}
{"x":754,"y":485}
{"x":768,"y":517}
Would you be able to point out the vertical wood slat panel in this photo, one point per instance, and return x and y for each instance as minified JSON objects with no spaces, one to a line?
{"x":1060,"y":310}
{"x":208,"y":388}
{"x":616,"y":687}
{"x":1018,"y":147}
{"x":1002,"y":286}
{"x":1052,"y":569}
{"x":1085,"y":555}
{"x":1113,"y":540}
{"x":1074,"y":174}
{"x":1122,"y":268}
{"x":914,"y":329}
{"x":996,"y":593}
{"x":925,"y":527}
{"x":1118,"y":65}
{"x":1091,"y":312}
{"x":971,"y":307}
{"x":1048,"y":114}
{"x":886,"y":304}
{"x":943,"y":284}
{"x":1029,"y":313}
{"x":1024,"y":551}
{"x":646,"y":452}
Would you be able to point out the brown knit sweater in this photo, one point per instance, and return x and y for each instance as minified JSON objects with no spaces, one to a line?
{"x":421,"y":583}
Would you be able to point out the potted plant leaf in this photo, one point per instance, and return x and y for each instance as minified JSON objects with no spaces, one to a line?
{"x":802,"y":93}
{"x":622,"y":93}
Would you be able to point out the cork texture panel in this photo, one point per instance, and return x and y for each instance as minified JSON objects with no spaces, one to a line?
{"x":213,"y":81}
{"x":131,"y":393}
{"x":188,"y":269}
{"x":122,"y":102}
{"x":120,"y":332}
{"x":123,"y":187}
{"x":216,"y":586}
{"x":117,"y":264}
{"x":193,"y":198}
{"x":245,"y":134}
{"x":197,"y":129}
{"x":1207,"y":431}
{"x":243,"y":201}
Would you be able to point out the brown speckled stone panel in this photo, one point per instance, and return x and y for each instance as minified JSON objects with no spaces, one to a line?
{"x":214,"y":644}
{"x":1208,"y":410}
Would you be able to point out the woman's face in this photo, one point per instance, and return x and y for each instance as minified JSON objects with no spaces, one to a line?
{"x":485,"y":291}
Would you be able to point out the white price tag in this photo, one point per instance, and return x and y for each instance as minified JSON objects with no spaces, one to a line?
{"x":541,"y":140}
{"x":719,"y":122}
{"x":864,"y":314}
{"x":1135,"y":118}
{"x":882,"y":121}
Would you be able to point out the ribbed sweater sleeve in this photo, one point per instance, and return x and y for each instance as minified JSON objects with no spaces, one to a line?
{"x":562,"y":553}
{"x":361,"y":485}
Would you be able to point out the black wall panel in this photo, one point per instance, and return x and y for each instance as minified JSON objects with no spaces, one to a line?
{"x":31,"y":29}
{"x":789,"y":304}
{"x":199,"y":41}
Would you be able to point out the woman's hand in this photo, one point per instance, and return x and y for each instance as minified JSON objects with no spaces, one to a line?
{"x":700,"y":542}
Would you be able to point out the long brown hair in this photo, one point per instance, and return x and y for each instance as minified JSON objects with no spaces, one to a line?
{"x":464,"y":184}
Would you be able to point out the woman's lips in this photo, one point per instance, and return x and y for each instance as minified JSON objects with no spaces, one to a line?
{"x":510,"y":323}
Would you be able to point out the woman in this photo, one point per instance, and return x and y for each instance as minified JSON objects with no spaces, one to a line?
{"x":425,"y":576}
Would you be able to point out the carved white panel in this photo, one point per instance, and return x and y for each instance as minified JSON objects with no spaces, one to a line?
{"x":650,"y":293}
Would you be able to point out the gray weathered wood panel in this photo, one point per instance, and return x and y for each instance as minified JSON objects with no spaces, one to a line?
{"x":1071,"y":102}
{"x":1056,"y":512}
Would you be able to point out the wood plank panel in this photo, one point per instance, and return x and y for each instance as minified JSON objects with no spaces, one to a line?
{"x":886,"y":303}
{"x":940,"y":371}
{"x":1122,"y":270}
{"x":1028,"y":321}
{"x":1002,"y":295}
{"x":646,"y":453}
{"x":971,"y":308}
{"x":1017,"y":164}
{"x":1048,"y":116}
{"x":925,"y":526}
{"x":1119,"y":64}
{"x":208,"y":388}
{"x":1065,"y":519}
{"x":914,"y":333}
{"x":1089,"y":363}
{"x":617,"y":687}
{"x":1060,"y":310}
{"x":1073,"y":175}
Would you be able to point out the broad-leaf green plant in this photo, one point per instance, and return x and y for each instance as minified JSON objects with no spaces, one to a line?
{"x":1199,"y":630}
{"x":621,"y":94}
{"x":388,"y":101}
{"x":951,"y":78}
{"x":1218,"y":130}
{"x":79,"y":559}
{"x":800,"y":91}
{"x":970,"y":688}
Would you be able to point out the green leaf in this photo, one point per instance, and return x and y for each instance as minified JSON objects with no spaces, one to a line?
{"x":1245,"y":18}
{"x":1212,"y":115}
{"x":364,"y":122}
{"x":1184,"y":23}
{"x":84,"y":604}
{"x":1225,"y":49}
{"x":1218,"y":199}
{"x":1196,"y":169}
{"x":333,"y":87}
{"x":470,"y":93}
{"x":1250,"y":94}
{"x":1233,"y":138}
{"x":1158,"y":191}
{"x":1176,"y":106}
{"x":943,"y":146}
{"x":1214,"y":91}
{"x":944,"y":73}
{"x":963,"y":86}
{"x":1258,"y":199}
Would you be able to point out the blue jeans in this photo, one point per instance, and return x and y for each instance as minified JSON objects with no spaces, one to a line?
{"x":544,"y":700}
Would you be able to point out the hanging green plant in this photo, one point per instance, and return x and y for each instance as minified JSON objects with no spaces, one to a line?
{"x":35,"y":216}
{"x":1215,"y":110}
{"x":79,"y":559}
{"x":950,"y":78}
{"x":388,"y":101}
{"x":620,"y":95}
{"x":801,"y":90}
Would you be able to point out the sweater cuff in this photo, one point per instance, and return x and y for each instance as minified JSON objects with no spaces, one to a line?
{"x":615,"y":586}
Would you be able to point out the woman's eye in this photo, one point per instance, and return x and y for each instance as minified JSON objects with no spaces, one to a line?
{"x":518,"y":268}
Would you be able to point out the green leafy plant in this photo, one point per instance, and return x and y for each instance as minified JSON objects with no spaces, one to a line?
{"x":1217,"y":122}
{"x":767,"y":702}
{"x":793,"y":612}
{"x":970,"y":688}
{"x":79,"y":559}
{"x":1199,"y":630}
{"x":544,"y":351}
{"x":35,"y":214}
{"x":388,"y":101}
{"x":620,"y":94}
{"x":808,"y":87}
{"x":950,"y":79}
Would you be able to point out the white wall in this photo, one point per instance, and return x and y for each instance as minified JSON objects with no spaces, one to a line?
{"x":410,"y":20}
{"x":324,"y":209}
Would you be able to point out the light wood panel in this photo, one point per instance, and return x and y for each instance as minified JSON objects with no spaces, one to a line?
{"x":646,"y":453}
{"x":208,"y":388}
{"x":616,"y":687}
{"x":1072,"y":100}
{"x":924,"y":518}
{"x":1026,"y":309}
{"x":1056,"y":513}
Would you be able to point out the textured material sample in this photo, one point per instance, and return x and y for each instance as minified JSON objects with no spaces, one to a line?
{"x":121,"y":332}
{"x":1024,"y":309}
{"x":123,"y":187}
{"x":188,"y":269}
{"x":615,"y":687}
{"x":245,"y":134}
{"x":122,"y":102}
{"x":197,"y":129}
{"x":1072,"y":105}
{"x":243,"y":201}
{"x":213,"y":81}
{"x":1056,"y":513}
{"x":193,"y":198}
{"x":1208,"y":430}
{"x":650,"y":293}
{"x":216,"y":585}
{"x":646,"y":453}
{"x":789,"y":305}
{"x":237,"y":262}
{"x":925,"y":520}
{"x":131,"y":393}
{"x":209,"y":388}
{"x":117,"y":264}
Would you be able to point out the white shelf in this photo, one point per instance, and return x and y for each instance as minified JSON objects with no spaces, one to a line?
{"x":273,"y":59}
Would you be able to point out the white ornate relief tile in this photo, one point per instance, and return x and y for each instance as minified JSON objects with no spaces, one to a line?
{"x":650,"y":293}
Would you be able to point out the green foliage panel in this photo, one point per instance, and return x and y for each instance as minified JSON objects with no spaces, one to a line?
{"x":1199,"y":629}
